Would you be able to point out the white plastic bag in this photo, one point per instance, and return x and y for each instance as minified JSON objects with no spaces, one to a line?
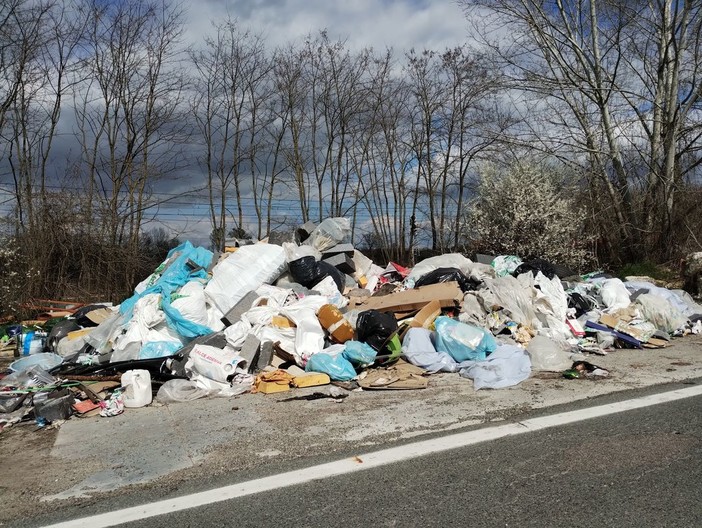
{"x":614,"y":295}
{"x":222,"y":389}
{"x":274,"y":296}
{"x":362,"y":263}
{"x":327,"y":287}
{"x":329,"y":233}
{"x":236,"y":333}
{"x":547,"y":355}
{"x":309,"y":334}
{"x":242,"y":271}
{"x":137,"y":388}
{"x":191,"y":302}
{"x":294,"y":252}
{"x":180,"y":390}
{"x":506,"y":366}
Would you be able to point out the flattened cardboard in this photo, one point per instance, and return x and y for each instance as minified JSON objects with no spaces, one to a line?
{"x":100,"y":315}
{"x":400,"y":376}
{"x":624,"y":337}
{"x":447,"y":294}
{"x":621,"y":325}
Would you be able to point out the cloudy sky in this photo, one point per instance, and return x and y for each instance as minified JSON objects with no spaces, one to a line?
{"x":397,"y":24}
{"x":400,"y":24}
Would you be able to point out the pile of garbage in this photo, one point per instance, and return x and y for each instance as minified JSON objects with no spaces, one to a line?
{"x":312,"y":310}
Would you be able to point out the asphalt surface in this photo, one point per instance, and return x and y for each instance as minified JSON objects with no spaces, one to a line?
{"x":638,"y":468}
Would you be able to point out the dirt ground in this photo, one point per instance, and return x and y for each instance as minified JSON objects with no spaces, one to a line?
{"x":30,"y":472}
{"x":221,"y":435}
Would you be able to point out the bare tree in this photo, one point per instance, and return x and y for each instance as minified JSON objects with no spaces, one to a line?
{"x":129,"y":115}
{"x":455,"y":120}
{"x":233,"y":76}
{"x":294,"y":111}
{"x":621,"y":76}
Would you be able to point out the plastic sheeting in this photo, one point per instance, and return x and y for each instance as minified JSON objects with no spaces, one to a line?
{"x":506,"y":366}
{"x":177,"y":271}
{"x":181,"y":390}
{"x":614,"y":294}
{"x":147,"y":325}
{"x":462,"y":341}
{"x":551,"y":305}
{"x":242,"y":271}
{"x":513,"y":296}
{"x":548,"y":355}
{"x":684,"y":303}
{"x":660,"y":312}
{"x":419,"y":350}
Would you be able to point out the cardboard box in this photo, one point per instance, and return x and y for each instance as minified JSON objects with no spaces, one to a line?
{"x":621,"y":325}
{"x":425,"y":317}
{"x":575,"y":327}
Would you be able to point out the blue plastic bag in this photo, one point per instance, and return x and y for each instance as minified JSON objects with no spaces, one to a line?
{"x":359,"y":354}
{"x":463,"y":342}
{"x":176,"y":275}
{"x":507,"y":366}
{"x":158,"y":349}
{"x":337,"y":367}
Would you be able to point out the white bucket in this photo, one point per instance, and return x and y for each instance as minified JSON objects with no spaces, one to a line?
{"x":137,"y":388}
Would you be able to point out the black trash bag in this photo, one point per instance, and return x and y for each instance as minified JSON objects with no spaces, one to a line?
{"x":375,"y":328}
{"x":324,"y":270}
{"x":580,"y":303}
{"x":58,"y":332}
{"x":308,"y":272}
{"x":549,"y":269}
{"x":448,"y":275}
{"x":304,"y":270}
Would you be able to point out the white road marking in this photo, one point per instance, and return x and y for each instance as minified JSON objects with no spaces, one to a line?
{"x":370,"y":460}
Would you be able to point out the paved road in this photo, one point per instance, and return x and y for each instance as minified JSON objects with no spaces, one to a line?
{"x":639,"y":468}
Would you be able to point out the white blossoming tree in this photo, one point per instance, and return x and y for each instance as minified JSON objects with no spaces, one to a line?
{"x":528,"y":211}
{"x":15,"y":274}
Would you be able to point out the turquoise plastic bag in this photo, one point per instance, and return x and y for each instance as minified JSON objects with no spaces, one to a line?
{"x":157,"y":349}
{"x":337,"y":367}
{"x":173,"y":277}
{"x":359,"y":354}
{"x":463,"y":342}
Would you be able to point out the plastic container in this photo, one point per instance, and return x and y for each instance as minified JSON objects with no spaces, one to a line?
{"x":33,"y":342}
{"x":137,"y":388}
{"x":333,"y":321}
{"x":45,"y":360}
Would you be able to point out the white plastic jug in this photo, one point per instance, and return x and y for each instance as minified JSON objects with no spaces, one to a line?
{"x":137,"y":388}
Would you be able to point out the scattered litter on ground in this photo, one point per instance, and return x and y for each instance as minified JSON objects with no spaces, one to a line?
{"x":265,"y":318}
